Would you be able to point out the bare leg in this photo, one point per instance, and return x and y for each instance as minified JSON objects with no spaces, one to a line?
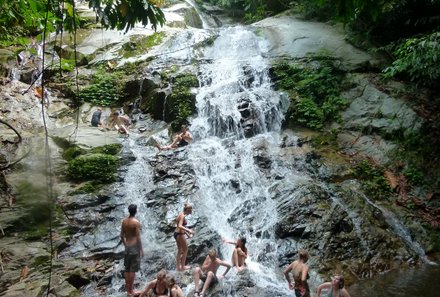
{"x":235,"y":259}
{"x":175,"y":141}
{"x":209,"y":278}
{"x":184,"y":253}
{"x":197,"y":274}
{"x":180,"y":246}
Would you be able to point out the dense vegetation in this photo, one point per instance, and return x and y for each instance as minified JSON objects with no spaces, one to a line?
{"x":31,"y":17}
{"x":407,"y":30}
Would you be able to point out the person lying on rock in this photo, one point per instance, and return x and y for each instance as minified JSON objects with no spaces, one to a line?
{"x":207,"y":272}
{"x":240,"y":253}
{"x":182,"y":139}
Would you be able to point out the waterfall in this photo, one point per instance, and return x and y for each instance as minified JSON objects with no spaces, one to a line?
{"x":233,"y":194}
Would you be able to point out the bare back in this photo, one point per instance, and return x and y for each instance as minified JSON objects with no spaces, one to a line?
{"x":130,"y":231}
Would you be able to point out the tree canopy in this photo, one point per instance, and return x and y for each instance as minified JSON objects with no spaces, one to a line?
{"x":28,"y":17}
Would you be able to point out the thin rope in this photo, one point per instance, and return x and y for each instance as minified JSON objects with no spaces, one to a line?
{"x":75,"y":132}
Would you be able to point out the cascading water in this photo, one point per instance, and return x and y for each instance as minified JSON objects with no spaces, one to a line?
{"x":236,"y":131}
{"x":233,"y":192}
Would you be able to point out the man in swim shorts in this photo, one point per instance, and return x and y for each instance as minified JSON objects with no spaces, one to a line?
{"x":131,"y":238}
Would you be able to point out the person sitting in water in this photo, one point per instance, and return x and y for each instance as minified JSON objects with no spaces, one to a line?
{"x":119,"y":122}
{"x":158,"y":286}
{"x":336,"y":287}
{"x":182,"y":139}
{"x":96,"y":118}
{"x":207,"y":272}
{"x":175,"y":290}
{"x":240,"y":253}
{"x":300,"y":272}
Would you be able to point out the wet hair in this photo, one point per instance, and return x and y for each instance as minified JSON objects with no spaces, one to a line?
{"x":132,"y":209}
{"x":303,"y":255}
{"x":243,"y":243}
{"x":171,"y":280}
{"x":161,"y":274}
{"x":187,"y":206}
{"x":212,"y":253}
{"x":341,"y":281}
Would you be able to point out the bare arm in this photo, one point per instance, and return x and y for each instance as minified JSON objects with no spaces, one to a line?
{"x":122,"y":235}
{"x":228,"y":241}
{"x":180,"y":224}
{"x":304,"y":273}
{"x":227,"y":265}
{"x":287,"y":275}
{"x":187,"y":137}
{"x":345,"y":293}
{"x":138,"y":239}
{"x":323,"y":286}
{"x":147,"y":289}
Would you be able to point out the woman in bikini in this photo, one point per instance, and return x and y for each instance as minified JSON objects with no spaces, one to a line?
{"x":240,"y":253}
{"x":300,"y":273}
{"x":159,"y":286}
{"x":336,"y":287}
{"x":175,"y":290}
{"x":180,"y":237}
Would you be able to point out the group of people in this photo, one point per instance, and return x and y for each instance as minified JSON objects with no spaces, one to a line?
{"x":165,"y":284}
{"x":300,"y":272}
{"x":117,"y":121}
{"x":121,"y":123}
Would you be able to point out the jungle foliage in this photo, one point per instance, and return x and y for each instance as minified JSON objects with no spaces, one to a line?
{"x":314,"y":90}
{"x":30,"y":17}
{"x":407,"y":30}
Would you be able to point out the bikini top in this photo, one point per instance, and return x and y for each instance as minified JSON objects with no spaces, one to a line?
{"x":165,"y":292}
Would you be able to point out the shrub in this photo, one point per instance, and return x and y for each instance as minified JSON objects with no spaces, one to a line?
{"x":313,"y":90}
{"x":98,"y":167}
{"x":418,"y":58}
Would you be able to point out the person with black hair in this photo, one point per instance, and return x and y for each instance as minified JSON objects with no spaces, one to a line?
{"x":240,"y":253}
{"x":336,"y":287}
{"x":96,"y":118}
{"x":131,"y":238}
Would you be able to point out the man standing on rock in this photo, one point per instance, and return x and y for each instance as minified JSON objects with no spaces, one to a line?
{"x":131,"y":238}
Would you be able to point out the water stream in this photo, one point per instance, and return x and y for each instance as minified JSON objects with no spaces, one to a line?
{"x":235,"y":100}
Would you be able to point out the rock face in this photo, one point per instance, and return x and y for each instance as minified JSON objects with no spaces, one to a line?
{"x":314,"y":204}
{"x":291,"y":37}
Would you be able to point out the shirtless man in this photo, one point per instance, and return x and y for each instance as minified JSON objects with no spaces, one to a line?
{"x":131,"y":238}
{"x":119,"y":122}
{"x":182,"y":139}
{"x":207,"y":272}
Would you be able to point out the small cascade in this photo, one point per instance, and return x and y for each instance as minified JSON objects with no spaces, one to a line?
{"x":400,"y":230}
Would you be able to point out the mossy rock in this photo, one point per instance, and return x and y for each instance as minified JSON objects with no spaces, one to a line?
{"x":177,"y":106}
{"x":109,"y":149}
{"x":93,"y":167}
{"x":73,"y":152}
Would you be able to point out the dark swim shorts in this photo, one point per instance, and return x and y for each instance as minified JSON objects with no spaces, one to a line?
{"x":132,"y":259}
{"x":213,"y":281}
